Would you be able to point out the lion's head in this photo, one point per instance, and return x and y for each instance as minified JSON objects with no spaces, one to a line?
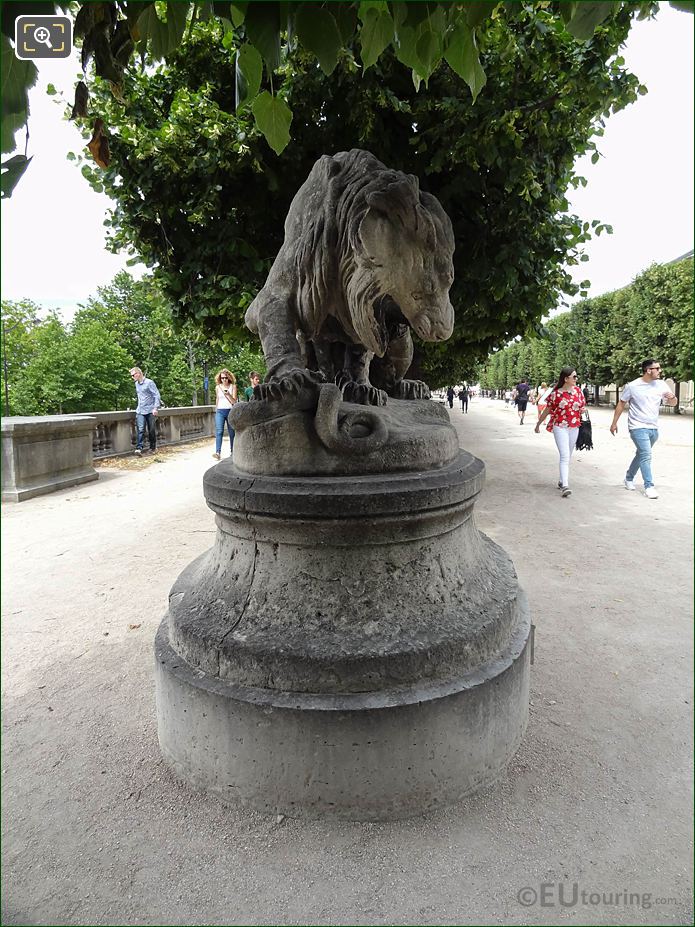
{"x":398,"y":261}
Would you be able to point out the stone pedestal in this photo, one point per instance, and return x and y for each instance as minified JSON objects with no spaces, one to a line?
{"x":350,"y":646}
{"x":43,"y":453}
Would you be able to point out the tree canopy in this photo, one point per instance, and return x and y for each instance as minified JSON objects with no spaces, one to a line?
{"x":201,"y":198}
{"x":83,"y":366}
{"x":421,"y":35}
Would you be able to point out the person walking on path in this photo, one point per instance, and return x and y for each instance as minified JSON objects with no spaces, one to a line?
{"x":254,"y":380}
{"x":644,"y":396}
{"x":149,"y":402}
{"x":450,"y":396}
{"x":225,"y":396}
{"x":565,"y":404}
{"x":522,"y":389}
{"x":463,"y":396}
{"x":542,"y":398}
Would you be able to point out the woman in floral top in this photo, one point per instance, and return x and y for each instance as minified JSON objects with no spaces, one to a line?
{"x":565,"y":405}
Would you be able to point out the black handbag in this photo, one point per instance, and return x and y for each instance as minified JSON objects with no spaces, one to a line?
{"x":584,"y":442}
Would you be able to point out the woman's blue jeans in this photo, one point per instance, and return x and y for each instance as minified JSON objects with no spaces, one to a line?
{"x":222,"y":419}
{"x":644,"y":439}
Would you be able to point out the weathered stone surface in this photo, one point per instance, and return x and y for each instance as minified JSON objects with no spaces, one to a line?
{"x":361,"y":757}
{"x":273,"y":437}
{"x":366,"y":256}
{"x":43,"y":453}
{"x":350,"y":645}
{"x":345,"y":599}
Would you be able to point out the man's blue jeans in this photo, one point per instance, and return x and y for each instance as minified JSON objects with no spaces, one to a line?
{"x":644,"y":439}
{"x":149,"y":420}
{"x":222,"y":419}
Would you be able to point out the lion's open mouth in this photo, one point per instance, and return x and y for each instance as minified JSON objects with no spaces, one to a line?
{"x":389,"y":318}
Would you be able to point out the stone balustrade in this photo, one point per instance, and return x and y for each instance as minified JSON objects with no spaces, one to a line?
{"x":42,"y":453}
{"x":115,"y":433}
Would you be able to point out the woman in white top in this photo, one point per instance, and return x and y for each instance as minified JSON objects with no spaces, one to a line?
{"x":225,"y":397}
{"x":542,"y":398}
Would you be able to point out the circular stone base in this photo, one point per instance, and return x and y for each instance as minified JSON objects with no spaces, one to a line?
{"x":360,"y":757}
{"x":350,"y":646}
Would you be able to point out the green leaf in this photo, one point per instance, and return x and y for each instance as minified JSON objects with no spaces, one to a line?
{"x":375,"y":35}
{"x":685,"y":6}
{"x":238,"y":11}
{"x":318,"y":32}
{"x":595,"y":157}
{"x":462,"y":57}
{"x":17,"y":77}
{"x":10,"y":124}
{"x":177,"y":14}
{"x":273,"y":118}
{"x":477,"y":11}
{"x":381,"y":6}
{"x":163,"y":38}
{"x":51,"y":90}
{"x":429,"y":52}
{"x":588,"y":16}
{"x":567,"y":10}
{"x":12,"y":170}
{"x":406,"y":44}
{"x":249,"y":73}
{"x":263,"y":31}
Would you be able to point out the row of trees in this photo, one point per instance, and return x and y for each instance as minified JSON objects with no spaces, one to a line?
{"x":52,"y":367}
{"x":606,"y":338}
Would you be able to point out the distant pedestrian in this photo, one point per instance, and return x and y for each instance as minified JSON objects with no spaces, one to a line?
{"x":586,"y":394}
{"x":463,"y":396}
{"x":542,"y":399}
{"x":254,"y":380}
{"x":644,"y":396}
{"x":450,"y":396}
{"x":522,"y":390}
{"x":507,"y":397}
{"x":149,"y":402}
{"x":225,"y":398}
{"x":564,"y":406}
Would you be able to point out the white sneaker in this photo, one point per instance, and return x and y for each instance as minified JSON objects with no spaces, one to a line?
{"x":138,"y":452}
{"x":651,"y":493}
{"x":566,"y":491}
{"x":628,"y":484}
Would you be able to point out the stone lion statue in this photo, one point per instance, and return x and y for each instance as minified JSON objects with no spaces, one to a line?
{"x":366,"y":257}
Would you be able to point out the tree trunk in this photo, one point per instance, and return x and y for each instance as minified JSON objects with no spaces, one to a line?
{"x":677,"y":391}
{"x":191,"y":365}
{"x":596,"y":389}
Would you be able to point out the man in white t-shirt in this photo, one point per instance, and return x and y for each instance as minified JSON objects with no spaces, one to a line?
{"x":644,"y":396}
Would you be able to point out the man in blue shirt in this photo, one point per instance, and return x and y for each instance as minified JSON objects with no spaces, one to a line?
{"x":149,"y":401}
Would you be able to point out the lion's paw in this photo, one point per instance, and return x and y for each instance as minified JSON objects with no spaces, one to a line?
{"x":288,"y":386}
{"x":410,"y":389}
{"x":362,"y":394}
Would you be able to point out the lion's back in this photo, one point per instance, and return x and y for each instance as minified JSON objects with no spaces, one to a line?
{"x":305,"y":271}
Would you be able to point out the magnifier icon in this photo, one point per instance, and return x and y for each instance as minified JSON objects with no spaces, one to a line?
{"x":43,"y":36}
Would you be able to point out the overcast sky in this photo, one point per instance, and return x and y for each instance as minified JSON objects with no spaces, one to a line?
{"x":53,"y":235}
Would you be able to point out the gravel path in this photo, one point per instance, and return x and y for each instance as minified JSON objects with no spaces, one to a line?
{"x":97,"y":831}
